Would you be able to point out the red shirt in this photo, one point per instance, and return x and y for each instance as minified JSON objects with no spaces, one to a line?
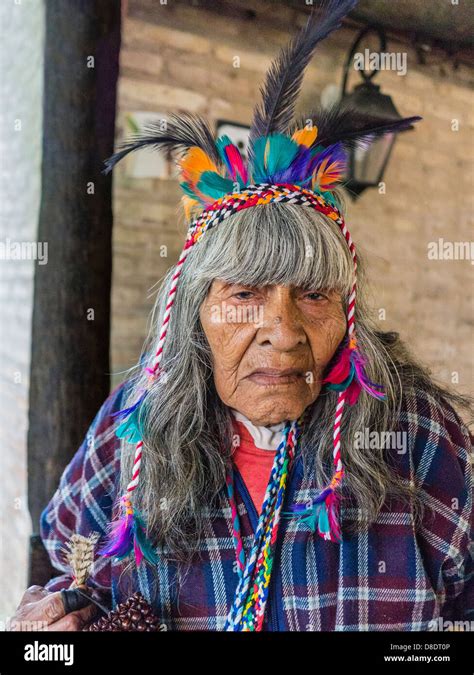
{"x":254,"y":464}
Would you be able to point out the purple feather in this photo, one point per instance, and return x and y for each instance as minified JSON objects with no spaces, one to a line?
{"x":301,"y":508}
{"x":284,"y":78}
{"x":369,"y":386}
{"x":121,"y":414}
{"x":120,"y":538}
{"x":297,"y":170}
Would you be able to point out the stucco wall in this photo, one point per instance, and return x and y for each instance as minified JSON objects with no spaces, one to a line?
{"x":21,"y":56}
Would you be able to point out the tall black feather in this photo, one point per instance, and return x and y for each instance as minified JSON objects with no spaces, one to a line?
{"x":283,"y":81}
{"x":180,"y":133}
{"x":351,"y":127}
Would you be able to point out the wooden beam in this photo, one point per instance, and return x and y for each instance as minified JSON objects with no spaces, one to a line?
{"x":71,"y":313}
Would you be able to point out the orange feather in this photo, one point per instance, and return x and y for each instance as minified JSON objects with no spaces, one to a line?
{"x":326,"y":174}
{"x":305,"y":136}
{"x":193,"y":164}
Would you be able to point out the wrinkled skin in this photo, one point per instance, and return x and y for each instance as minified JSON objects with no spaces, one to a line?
{"x":291,"y":329}
{"x":41,"y":609}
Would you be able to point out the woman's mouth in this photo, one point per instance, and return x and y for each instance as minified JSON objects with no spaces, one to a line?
{"x":276,"y":377}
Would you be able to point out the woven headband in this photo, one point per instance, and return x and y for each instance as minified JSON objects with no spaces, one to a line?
{"x":298,"y":163}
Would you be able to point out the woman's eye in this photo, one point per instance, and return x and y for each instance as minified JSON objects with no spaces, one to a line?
{"x":243,"y":295}
{"x":314,"y":296}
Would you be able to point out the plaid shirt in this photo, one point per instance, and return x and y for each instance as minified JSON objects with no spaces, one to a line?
{"x":390,"y":576}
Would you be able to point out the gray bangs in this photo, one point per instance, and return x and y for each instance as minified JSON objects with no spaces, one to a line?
{"x":278,"y":243}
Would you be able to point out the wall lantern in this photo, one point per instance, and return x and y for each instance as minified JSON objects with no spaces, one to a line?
{"x":366,"y":165}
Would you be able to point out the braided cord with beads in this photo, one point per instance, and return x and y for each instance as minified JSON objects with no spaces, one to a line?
{"x":267,"y":506}
{"x":247,"y":612}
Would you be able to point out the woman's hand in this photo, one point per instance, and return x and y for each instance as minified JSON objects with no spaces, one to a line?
{"x":40,"y":609}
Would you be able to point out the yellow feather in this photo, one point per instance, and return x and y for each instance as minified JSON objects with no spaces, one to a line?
{"x":265,"y":153}
{"x":305,"y":136}
{"x":189,"y":205}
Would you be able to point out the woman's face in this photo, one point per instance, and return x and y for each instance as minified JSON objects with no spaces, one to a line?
{"x":270,"y":346}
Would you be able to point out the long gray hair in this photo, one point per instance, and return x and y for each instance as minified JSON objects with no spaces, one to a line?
{"x":187,"y":428}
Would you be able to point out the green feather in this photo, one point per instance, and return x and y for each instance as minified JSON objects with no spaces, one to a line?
{"x":221,"y":143}
{"x":281,"y":151}
{"x":328,"y":197}
{"x":342,"y":386}
{"x":146,"y":546}
{"x":310,"y":519}
{"x":258,"y":169}
{"x":187,"y":190}
{"x":214,"y":185}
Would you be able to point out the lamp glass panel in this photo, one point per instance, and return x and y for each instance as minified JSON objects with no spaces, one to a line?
{"x":369,"y":161}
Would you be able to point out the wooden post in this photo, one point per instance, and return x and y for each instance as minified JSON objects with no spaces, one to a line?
{"x":71,"y":313}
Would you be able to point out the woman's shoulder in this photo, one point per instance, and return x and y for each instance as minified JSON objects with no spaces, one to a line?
{"x":430,"y":416}
{"x":437,"y":445}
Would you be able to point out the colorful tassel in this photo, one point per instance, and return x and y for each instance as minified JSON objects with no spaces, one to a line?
{"x":127,"y":535}
{"x":348,"y":373}
{"x":321,"y":516}
{"x":277,"y":158}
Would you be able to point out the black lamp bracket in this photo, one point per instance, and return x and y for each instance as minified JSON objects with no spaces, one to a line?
{"x":372,"y":28}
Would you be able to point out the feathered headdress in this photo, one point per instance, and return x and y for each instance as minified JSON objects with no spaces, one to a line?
{"x":301,"y":163}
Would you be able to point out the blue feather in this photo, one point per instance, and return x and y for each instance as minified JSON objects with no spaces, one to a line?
{"x":129,"y":429}
{"x":323,"y":520}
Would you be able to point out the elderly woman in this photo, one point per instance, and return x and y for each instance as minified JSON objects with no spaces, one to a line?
{"x":291,"y":467}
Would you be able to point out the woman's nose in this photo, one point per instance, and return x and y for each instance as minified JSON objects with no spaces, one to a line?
{"x":281,"y":327}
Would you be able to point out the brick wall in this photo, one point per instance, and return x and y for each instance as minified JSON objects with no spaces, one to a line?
{"x":178,"y":57}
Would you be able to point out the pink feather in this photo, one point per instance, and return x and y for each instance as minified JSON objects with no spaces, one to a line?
{"x":332,"y":506}
{"x":138,"y":551}
{"x":120,"y":538}
{"x":353,"y":392}
{"x":340,"y":371}
{"x":235,"y":163}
